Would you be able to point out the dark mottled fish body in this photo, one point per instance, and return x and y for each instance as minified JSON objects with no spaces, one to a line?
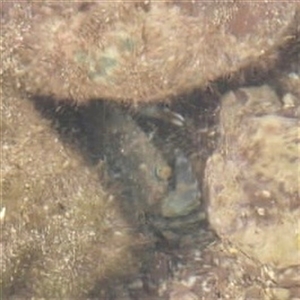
{"x":135,"y":160}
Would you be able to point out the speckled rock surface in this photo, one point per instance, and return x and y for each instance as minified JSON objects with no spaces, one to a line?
{"x":139,"y":51}
{"x":62,"y":232}
{"x":252,"y":180}
{"x":90,"y":208}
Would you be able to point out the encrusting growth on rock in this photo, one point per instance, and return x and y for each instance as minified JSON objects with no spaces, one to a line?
{"x":136,"y":52}
{"x":251,"y":179}
{"x":192,"y":198}
{"x":63,"y":232}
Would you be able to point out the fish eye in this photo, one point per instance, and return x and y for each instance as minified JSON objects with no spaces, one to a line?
{"x":163,"y":172}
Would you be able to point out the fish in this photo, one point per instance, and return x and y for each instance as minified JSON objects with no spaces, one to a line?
{"x":136,"y":161}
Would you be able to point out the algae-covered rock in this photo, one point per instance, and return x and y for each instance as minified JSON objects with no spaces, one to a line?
{"x":136,"y":51}
{"x":63,"y":236}
{"x":252,"y":180}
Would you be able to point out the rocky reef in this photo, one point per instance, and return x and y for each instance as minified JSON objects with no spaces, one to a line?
{"x":140,"y":51}
{"x":252,"y":180}
{"x":63,"y":234}
{"x":150,"y":150}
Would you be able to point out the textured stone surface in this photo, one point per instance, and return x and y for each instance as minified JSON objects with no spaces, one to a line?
{"x":62,"y":234}
{"x":137,"y":52}
{"x":252,"y":179}
{"x":65,"y":236}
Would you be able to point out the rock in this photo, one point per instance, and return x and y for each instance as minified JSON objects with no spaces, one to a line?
{"x":63,"y":235}
{"x":280,"y":294}
{"x":251,"y":180}
{"x":180,"y":292}
{"x":136,"y":52}
{"x":58,"y":218}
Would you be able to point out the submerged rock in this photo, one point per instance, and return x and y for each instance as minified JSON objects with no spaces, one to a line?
{"x":63,"y":235}
{"x":136,"y":51}
{"x":252,"y":180}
